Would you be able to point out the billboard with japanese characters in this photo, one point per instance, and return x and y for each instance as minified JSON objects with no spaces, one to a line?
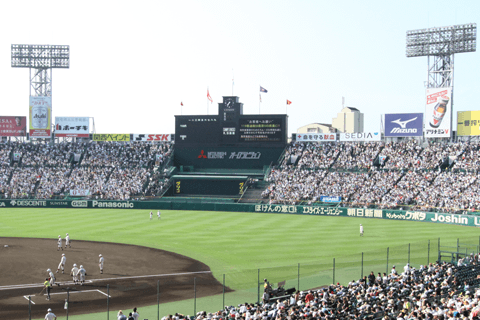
{"x":320,"y":137}
{"x":13,"y":126}
{"x":438,"y":112}
{"x":111,"y":137}
{"x":40,"y":117}
{"x":72,"y":127}
{"x":468,"y":123}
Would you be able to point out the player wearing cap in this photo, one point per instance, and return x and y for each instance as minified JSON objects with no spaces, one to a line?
{"x":394,"y":271}
{"x":100,"y":263}
{"x":52,"y":277}
{"x":361,"y":230}
{"x":47,"y":287}
{"x":158,"y":214}
{"x":50,"y":315}
{"x":63,"y":260}
{"x":74,"y":273}
{"x":81,"y":273}
{"x":151,"y":215}
{"x":67,"y":241}
{"x":59,"y":243}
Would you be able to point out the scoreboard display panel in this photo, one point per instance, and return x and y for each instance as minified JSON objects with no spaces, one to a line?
{"x":264,"y":128}
{"x":196,"y":185}
{"x":197,"y":129}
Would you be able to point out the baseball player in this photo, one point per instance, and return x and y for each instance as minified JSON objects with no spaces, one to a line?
{"x":62,"y":263}
{"x":59,"y":243}
{"x":74,"y":273}
{"x":50,"y":315}
{"x":100,"y":263}
{"x":158,"y":214}
{"x":151,"y":215}
{"x":52,"y":277}
{"x":361,"y":230}
{"x":81,"y":273}
{"x":67,"y":241}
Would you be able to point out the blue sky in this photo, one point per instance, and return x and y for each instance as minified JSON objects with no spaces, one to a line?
{"x":132,"y":63}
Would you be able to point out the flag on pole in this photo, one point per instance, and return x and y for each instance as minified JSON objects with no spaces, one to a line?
{"x":209,"y":97}
{"x":262,"y":89}
{"x":260,"y":97}
{"x":289,"y":102}
{"x":181,"y":103}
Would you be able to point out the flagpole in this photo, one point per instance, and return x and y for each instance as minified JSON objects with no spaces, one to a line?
{"x":207,"y":100}
{"x":259,"y":102}
{"x":233,"y":81}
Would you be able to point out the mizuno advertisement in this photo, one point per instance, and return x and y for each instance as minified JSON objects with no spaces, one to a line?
{"x":403,"y":124}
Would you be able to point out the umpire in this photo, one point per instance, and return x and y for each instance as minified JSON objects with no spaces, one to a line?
{"x":47,"y":287}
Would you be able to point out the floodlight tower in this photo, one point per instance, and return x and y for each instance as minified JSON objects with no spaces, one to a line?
{"x":40,"y":59}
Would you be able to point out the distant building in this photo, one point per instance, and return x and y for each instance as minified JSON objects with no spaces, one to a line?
{"x":316,"y":128}
{"x":350,"y":120}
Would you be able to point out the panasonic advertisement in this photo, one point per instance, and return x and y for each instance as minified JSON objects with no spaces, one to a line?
{"x":403,"y":124}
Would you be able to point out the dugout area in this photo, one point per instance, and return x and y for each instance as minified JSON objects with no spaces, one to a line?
{"x":132,"y":274}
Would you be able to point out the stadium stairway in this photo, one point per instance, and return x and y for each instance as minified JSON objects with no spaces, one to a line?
{"x":254,"y":193}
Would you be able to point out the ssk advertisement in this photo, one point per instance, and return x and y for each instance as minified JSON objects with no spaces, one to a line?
{"x":438,"y":112}
{"x":40,"y":114}
{"x":152,"y":137}
{"x":403,"y":124}
{"x":72,"y":127}
{"x":13,"y":126}
{"x":468,"y":123}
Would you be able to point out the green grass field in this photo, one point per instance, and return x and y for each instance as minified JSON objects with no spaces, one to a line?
{"x":296,"y":248}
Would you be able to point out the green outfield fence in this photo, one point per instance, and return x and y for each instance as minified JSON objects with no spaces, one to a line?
{"x":238,"y":287}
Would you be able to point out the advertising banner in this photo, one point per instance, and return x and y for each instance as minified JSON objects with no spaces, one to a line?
{"x":319,"y":137}
{"x":13,"y":126}
{"x":330,"y":199}
{"x":403,"y":124}
{"x":468,"y":123}
{"x":361,"y":136}
{"x":80,"y":192}
{"x":111,"y":137}
{"x":72,"y":127}
{"x":40,"y":117}
{"x":152,"y":137}
{"x":438,"y":112}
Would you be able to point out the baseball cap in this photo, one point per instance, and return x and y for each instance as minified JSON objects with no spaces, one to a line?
{"x":49,"y":310}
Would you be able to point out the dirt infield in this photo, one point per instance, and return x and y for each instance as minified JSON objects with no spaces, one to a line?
{"x":131,"y":273}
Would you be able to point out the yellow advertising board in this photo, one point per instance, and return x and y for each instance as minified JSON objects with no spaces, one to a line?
{"x":468,"y":123}
{"x":111,"y":137}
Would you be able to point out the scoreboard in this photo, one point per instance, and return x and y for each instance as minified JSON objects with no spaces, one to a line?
{"x":231,"y":139}
{"x":231,"y":127}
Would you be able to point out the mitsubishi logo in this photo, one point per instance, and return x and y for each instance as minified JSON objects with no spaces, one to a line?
{"x":202,"y":155}
{"x":403,"y":124}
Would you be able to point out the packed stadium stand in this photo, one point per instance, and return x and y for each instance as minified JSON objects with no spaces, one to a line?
{"x":407,"y":174}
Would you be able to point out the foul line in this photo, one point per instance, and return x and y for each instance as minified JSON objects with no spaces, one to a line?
{"x":39,"y":285}
{"x":29,"y":299}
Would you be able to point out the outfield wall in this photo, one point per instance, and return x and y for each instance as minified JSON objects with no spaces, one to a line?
{"x":197,"y":204}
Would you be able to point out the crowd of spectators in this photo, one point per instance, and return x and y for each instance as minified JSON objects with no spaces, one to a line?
{"x":435,"y":291}
{"x":405,"y":174}
{"x":105,"y":170}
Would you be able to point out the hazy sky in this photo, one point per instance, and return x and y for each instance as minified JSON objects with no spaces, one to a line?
{"x":133,"y":62}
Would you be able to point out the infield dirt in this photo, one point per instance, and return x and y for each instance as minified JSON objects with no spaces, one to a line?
{"x":131,"y":273}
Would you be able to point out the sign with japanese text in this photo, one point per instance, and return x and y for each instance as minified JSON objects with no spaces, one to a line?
{"x":320,"y":137}
{"x":152,"y":137}
{"x":40,"y":117}
{"x":72,"y":127}
{"x":468,"y":123}
{"x":13,"y":126}
{"x":111,"y":137}
{"x":438,"y":112}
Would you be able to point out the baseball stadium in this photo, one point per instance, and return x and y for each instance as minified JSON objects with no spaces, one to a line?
{"x":230,"y":217}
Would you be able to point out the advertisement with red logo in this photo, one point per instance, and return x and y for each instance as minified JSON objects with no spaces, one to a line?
{"x":438,"y":112}
{"x":13,"y":126}
{"x":152,"y":137}
{"x":320,"y":137}
{"x":72,"y":127}
{"x":40,"y":113}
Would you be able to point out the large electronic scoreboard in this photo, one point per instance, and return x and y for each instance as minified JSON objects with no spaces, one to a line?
{"x":230,"y":139}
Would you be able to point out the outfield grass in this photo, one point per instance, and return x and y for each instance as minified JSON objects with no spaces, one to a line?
{"x":237,"y":244}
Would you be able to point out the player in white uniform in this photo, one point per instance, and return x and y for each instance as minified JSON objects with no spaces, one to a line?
{"x":67,"y":241}
{"x":52,"y":277}
{"x":50,"y":315}
{"x":59,"y":243}
{"x":100,"y":263}
{"x":74,"y":273}
{"x":158,"y":214}
{"x":63,"y":260}
{"x":81,"y":273}
{"x":151,"y":215}
{"x":361,"y":230}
